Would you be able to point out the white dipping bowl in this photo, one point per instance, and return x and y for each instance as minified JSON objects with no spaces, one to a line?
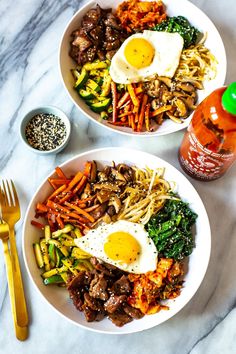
{"x":45,"y":110}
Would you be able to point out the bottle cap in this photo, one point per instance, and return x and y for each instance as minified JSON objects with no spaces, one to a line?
{"x":229,"y":98}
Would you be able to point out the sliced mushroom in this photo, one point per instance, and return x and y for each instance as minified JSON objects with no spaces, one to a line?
{"x":99,"y":211}
{"x":181,"y":107}
{"x":102,"y":177}
{"x":185,"y":86}
{"x":127,"y":172}
{"x":190,"y":102}
{"x":104,"y":218}
{"x":178,"y":94}
{"x":103,"y":196}
{"x":93,"y":172}
{"x":106,"y":186}
{"x":166,"y":80}
{"x":117,"y":175}
{"x":166,"y":96}
{"x":115,"y":201}
{"x":87,"y":191}
{"x":172,"y":117}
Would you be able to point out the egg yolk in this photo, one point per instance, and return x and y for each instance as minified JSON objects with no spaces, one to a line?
{"x":122,"y":246}
{"x":139,"y":53}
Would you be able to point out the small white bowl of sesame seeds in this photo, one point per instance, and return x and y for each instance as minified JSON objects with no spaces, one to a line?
{"x":45,"y":130}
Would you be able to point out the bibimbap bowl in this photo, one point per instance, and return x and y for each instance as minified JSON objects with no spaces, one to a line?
{"x":58,"y":297}
{"x":152,"y":127}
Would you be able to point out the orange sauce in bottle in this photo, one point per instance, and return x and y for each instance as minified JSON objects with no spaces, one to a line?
{"x":208,"y":148}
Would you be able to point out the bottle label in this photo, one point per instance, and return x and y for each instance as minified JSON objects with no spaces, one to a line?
{"x":204,"y":163}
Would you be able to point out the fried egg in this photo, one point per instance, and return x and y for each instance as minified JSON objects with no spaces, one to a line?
{"x":145,"y":54}
{"x":123,"y":244}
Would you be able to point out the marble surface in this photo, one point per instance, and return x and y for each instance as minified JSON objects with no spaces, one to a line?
{"x":30,"y":31}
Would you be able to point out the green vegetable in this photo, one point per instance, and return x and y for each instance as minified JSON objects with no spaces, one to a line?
{"x":100,"y":106}
{"x":54,"y":279}
{"x":182,"y":26}
{"x":170,"y":229}
{"x":82,"y":79}
{"x":86,"y":94}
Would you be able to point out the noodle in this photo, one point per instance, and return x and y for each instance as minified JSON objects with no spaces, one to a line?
{"x":146,"y":197}
{"x":196,"y":64}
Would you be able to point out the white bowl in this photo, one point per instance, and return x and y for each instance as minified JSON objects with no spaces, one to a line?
{"x":174,"y":8}
{"x":58,"y":297}
{"x":45,"y":110}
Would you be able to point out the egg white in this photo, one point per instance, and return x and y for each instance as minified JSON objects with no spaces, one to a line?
{"x":93,"y":243}
{"x":168,"y":48}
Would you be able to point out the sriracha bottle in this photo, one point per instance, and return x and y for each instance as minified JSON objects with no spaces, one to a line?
{"x":208,"y":148}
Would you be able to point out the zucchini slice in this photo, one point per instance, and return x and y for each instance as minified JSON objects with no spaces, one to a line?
{"x":54,"y":279}
{"x":38,"y":255}
{"x":91,"y":84}
{"x":100,"y":106}
{"x":86,"y":94}
{"x":80,"y":82}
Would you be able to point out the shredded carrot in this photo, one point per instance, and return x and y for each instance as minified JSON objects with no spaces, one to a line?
{"x":60,"y":222}
{"x":37,"y":224}
{"x":57,"y":182}
{"x":80,"y":185}
{"x":147,"y":117}
{"x":74,"y":181}
{"x":87,"y":168}
{"x":133,"y":96}
{"x":161,"y":110}
{"x":60,"y":173}
{"x":80,"y":211}
{"x":41,"y":207}
{"x":142,"y":111}
{"x":123,"y":99}
{"x":57,"y":192}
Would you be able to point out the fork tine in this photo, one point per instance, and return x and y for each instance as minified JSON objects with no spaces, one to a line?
{"x":10,"y":198}
{"x":15,"y":194}
{"x":4,"y":193}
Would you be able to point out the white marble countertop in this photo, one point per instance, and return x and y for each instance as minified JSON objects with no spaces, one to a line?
{"x":30,"y":31}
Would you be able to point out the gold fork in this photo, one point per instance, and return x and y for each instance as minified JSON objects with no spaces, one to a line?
{"x":11,"y":214}
{"x":21,"y":332}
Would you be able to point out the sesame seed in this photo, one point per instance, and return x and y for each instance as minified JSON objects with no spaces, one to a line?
{"x":45,"y":132}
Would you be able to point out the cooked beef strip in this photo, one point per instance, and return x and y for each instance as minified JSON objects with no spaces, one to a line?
{"x":90,"y":314}
{"x":91,"y":53}
{"x":81,"y":40}
{"x":98,"y":287}
{"x":91,"y":18}
{"x":77,"y":281}
{"x":94,"y":304}
{"x":74,"y":52}
{"x":97,"y":35}
{"x":101,"y":54}
{"x":112,"y":21}
{"x":121,"y":286}
{"x":120,"y":318}
{"x":112,"y":45}
{"x":111,"y":34}
{"x":114,"y":302}
{"x":132,"y":311}
{"x":103,"y":292}
{"x":110,"y":54}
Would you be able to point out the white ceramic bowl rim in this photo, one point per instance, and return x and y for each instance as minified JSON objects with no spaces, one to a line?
{"x":185,"y":8}
{"x":198,"y":260}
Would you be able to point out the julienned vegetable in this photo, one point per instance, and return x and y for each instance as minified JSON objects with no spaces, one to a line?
{"x":170,"y":230}
{"x":182,"y":26}
{"x":58,"y":256}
